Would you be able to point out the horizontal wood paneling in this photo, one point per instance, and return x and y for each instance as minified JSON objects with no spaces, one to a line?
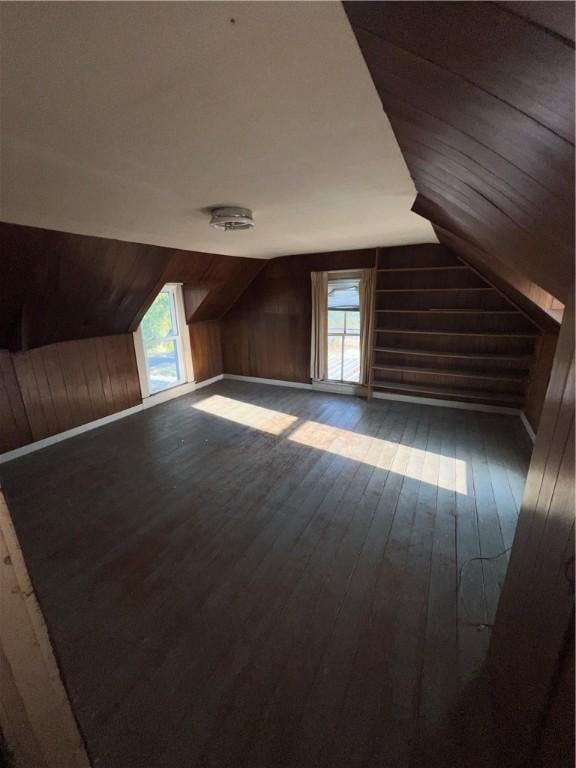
{"x":481,"y":100}
{"x":206,"y":345}
{"x":71,"y":383}
{"x":14,"y":426}
{"x":536,"y":611}
{"x":267,"y":332}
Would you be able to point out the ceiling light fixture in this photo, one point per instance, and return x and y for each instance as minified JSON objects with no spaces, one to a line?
{"x":231,"y":219}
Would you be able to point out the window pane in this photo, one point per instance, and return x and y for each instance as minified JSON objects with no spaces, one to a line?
{"x":351,"y":358}
{"x":158,"y":322}
{"x":335,"y":357}
{"x":343,"y":293}
{"x":335,"y":321}
{"x":353,"y":323}
{"x":163,"y":366}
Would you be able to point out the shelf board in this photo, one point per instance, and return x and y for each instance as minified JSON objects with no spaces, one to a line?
{"x":460,"y":373}
{"x":423,"y":269}
{"x":455,"y":311}
{"x":466,"y":355}
{"x":501,"y":334}
{"x":427,"y":290}
{"x":462,"y":394}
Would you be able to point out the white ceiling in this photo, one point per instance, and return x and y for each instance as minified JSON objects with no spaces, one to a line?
{"x":128,"y":120}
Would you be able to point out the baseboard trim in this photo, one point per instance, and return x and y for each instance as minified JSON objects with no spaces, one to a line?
{"x":447,"y":403}
{"x":318,"y":386}
{"x":274,"y":382}
{"x":179,"y":391}
{"x":184,"y":389}
{"x":38,"y":445}
{"x":358,"y":390}
{"x":148,"y":402}
{"x":528,"y":427}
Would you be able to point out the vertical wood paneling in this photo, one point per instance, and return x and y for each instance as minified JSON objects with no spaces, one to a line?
{"x":536,"y":608}
{"x":539,"y":378}
{"x":267,"y":331}
{"x":206,"y":344}
{"x":14,"y":426}
{"x":71,"y":383}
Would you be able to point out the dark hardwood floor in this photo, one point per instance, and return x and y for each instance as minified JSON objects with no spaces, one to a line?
{"x":268,"y":577}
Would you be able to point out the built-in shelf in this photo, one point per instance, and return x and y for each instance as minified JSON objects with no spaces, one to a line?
{"x":439,"y":290}
{"x":419,"y":332}
{"x":464,"y":355}
{"x":508,"y":375}
{"x":424,"y":269}
{"x":460,"y":394}
{"x":454,"y":311}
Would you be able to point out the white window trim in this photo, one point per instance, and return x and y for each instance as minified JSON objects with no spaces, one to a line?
{"x":343,"y":274}
{"x":182,"y":343}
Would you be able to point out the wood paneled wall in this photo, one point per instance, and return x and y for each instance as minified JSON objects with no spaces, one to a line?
{"x":212,"y":283}
{"x":14,"y":426}
{"x":63,"y":287}
{"x":539,"y":378}
{"x":535,"y":617}
{"x":56,"y":286}
{"x":63,"y":385}
{"x":481,"y":100}
{"x":267,"y":332}
{"x":206,"y":345}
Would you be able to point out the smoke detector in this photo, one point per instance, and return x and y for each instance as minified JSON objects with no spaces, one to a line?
{"x":231,"y":219}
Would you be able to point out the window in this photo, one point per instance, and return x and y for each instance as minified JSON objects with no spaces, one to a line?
{"x":161,"y":341}
{"x":344,"y":329}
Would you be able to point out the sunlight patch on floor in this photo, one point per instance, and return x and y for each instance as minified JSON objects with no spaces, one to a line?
{"x":254,"y":416}
{"x":445,"y":472}
{"x":354,"y":446}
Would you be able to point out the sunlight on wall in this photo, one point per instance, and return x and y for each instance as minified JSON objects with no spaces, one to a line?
{"x":263,"y":419}
{"x":445,"y":472}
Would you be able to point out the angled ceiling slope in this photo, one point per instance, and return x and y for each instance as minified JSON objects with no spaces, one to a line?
{"x":481,"y":99}
{"x":56,"y":286}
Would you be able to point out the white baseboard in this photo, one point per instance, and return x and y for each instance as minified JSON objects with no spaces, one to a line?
{"x":320,"y":386}
{"x":45,"y":442}
{"x":184,"y":389}
{"x":338,"y":388}
{"x":275,"y":382}
{"x":447,"y":403}
{"x":148,"y":402}
{"x":359,"y":390}
{"x":528,"y":427}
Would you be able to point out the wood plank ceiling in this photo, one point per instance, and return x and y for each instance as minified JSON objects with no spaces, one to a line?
{"x":481,"y":99}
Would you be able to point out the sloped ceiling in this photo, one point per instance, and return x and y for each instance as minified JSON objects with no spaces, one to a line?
{"x":56,"y":286}
{"x":481,"y":99}
{"x":129,"y":120}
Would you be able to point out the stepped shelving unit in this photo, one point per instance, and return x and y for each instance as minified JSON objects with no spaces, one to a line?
{"x":442,"y":331}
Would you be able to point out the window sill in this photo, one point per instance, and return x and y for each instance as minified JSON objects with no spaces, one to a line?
{"x":168,"y":394}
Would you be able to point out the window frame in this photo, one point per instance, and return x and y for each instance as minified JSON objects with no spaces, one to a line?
{"x":181,"y":340}
{"x":333,"y":277}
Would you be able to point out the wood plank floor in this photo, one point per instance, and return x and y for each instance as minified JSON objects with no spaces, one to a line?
{"x":268,"y":577}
